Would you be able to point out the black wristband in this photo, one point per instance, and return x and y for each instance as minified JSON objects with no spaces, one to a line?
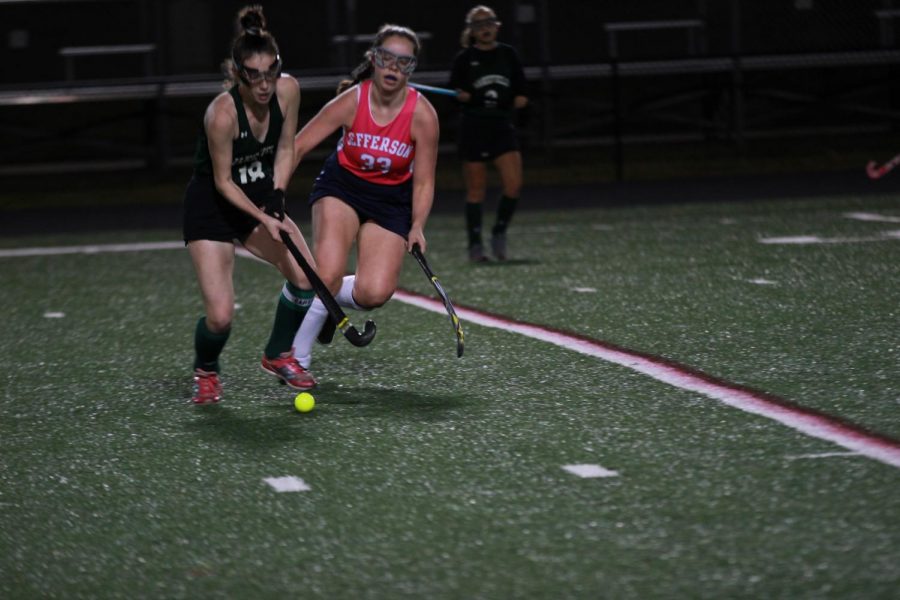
{"x":275,"y":204}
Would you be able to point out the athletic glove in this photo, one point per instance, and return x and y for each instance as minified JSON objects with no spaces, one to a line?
{"x":275,"y":204}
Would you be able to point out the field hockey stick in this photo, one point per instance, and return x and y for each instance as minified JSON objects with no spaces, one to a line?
{"x":875,"y":172}
{"x":334,"y":310}
{"x":451,"y":312}
{"x":434,"y":90}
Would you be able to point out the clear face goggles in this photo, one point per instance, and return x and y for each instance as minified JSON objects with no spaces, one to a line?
{"x":486,"y":23}
{"x":385,"y":59}
{"x":253,"y":76}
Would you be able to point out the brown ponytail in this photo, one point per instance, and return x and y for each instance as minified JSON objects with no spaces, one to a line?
{"x":253,"y":38}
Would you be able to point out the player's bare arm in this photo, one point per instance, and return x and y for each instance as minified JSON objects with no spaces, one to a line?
{"x":425,"y":133}
{"x":337,"y":113}
{"x":288,"y":91}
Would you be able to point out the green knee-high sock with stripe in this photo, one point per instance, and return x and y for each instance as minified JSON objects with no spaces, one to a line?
{"x":208,"y":346}
{"x":292,"y":307}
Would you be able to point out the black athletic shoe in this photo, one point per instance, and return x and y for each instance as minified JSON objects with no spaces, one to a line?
{"x":498,"y":246}
{"x":476,"y":254}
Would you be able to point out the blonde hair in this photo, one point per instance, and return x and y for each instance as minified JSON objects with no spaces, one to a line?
{"x":466,"y":39}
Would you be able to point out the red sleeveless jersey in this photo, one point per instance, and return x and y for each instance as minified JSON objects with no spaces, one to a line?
{"x":379,"y":153}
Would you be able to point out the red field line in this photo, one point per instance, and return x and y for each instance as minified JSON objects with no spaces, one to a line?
{"x":807,"y":421}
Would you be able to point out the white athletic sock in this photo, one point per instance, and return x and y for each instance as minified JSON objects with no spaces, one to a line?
{"x":345,"y":295}
{"x":307,"y":332}
{"x":316,"y":316}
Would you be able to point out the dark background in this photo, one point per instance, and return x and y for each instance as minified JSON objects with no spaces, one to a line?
{"x":194,"y":35}
{"x":734,"y":87}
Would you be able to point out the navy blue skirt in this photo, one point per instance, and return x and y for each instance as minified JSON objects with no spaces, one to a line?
{"x":389,"y":206}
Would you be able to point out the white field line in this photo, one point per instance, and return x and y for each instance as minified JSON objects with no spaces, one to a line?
{"x":806,"y":421}
{"x":885,"y":236}
{"x":247,"y":254}
{"x":820,"y":455}
{"x":103,"y":248}
{"x":864,"y":216}
{"x":93,"y":249}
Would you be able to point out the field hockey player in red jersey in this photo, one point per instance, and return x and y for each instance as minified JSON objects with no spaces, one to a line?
{"x":244,"y":159}
{"x":368,"y":192}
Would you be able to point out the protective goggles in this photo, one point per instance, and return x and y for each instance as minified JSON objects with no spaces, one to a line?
{"x":251,"y":76}
{"x":479,"y":24}
{"x":385,"y":59}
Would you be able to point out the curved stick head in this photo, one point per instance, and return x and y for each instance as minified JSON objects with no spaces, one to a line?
{"x":872,"y":170}
{"x":360,"y":339}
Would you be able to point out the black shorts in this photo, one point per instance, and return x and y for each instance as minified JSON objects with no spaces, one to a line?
{"x":389,"y":206}
{"x":485,"y":139}
{"x":209,"y":216}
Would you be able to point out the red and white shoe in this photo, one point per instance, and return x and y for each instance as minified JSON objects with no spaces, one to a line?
{"x":289,"y":371}
{"x":207,"y":388}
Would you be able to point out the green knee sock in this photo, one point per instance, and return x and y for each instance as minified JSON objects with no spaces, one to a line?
{"x":292,"y":307}
{"x":207,"y":346}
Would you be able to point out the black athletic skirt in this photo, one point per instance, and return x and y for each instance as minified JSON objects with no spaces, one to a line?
{"x":209,"y":216}
{"x":485,"y":139}
{"x":389,"y":206}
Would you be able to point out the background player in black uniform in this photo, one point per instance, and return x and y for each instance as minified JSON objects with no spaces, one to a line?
{"x":244,"y":159}
{"x":490,"y":83}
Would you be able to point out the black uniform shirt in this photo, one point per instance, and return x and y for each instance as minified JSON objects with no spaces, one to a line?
{"x":493,"y":77}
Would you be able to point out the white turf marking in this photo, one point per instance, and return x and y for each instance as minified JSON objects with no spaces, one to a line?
{"x":54,"y":315}
{"x":805,"y":421}
{"x":821,"y":455}
{"x":287,"y":484}
{"x":590,"y":471}
{"x":584,"y":290}
{"x":814,"y":239}
{"x":761,"y":281}
{"x":795,"y":239}
{"x":864,"y":216}
{"x":243,"y":252}
{"x":95,"y":249}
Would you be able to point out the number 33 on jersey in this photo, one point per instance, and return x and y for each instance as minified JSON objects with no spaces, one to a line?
{"x":379,"y":153}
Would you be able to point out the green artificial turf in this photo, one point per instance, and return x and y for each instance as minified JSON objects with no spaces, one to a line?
{"x":438,"y":477}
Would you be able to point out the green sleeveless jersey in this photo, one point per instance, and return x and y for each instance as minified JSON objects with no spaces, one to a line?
{"x":252,"y":161}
